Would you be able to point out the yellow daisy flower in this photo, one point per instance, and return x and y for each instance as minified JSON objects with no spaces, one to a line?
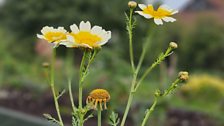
{"x":98,"y":96}
{"x":162,"y":13}
{"x":53,"y":35}
{"x":87,"y":37}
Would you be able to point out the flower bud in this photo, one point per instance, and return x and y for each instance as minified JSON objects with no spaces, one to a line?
{"x":183,"y":75}
{"x":132,"y":4}
{"x":173,"y":45}
{"x":158,"y":93}
{"x":45,"y":64}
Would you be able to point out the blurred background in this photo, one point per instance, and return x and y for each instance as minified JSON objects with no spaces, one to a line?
{"x":199,"y":32}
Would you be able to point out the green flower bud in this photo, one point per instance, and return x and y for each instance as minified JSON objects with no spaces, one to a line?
{"x":183,"y":75}
{"x":132,"y":4}
{"x":173,"y":45}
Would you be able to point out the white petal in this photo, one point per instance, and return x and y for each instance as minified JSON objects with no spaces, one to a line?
{"x":142,"y":6}
{"x":46,"y":29}
{"x":96,"y":30}
{"x":85,"y":26}
{"x":106,"y":37}
{"x":74,"y":28}
{"x":174,"y":12}
{"x":68,"y":43}
{"x":158,"y":21}
{"x":40,"y":36}
{"x":148,"y":16}
{"x":169,"y":19}
{"x":61,"y":29}
{"x":70,"y":38}
{"x":85,"y":45}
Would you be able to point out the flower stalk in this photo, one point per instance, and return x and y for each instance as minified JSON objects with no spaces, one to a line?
{"x":159,"y":95}
{"x":130,"y":34}
{"x":52,"y":84}
{"x":99,"y":117}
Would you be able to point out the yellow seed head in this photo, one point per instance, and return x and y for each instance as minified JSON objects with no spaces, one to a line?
{"x":183,"y":75}
{"x":173,"y":45}
{"x":132,"y":4}
{"x":98,"y":96}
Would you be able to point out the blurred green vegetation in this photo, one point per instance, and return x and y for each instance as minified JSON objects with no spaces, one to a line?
{"x":201,"y":50}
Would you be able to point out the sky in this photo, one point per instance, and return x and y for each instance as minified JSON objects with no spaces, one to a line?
{"x":1,"y":1}
{"x":175,"y":4}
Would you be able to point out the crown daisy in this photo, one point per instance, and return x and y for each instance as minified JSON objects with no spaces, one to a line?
{"x":98,"y":96}
{"x":163,"y":13}
{"x":53,"y":35}
{"x":87,"y":37}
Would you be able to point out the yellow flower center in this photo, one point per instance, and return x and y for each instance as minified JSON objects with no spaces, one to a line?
{"x":98,"y":96}
{"x":160,"y":13}
{"x":86,"y":38}
{"x":55,"y":36}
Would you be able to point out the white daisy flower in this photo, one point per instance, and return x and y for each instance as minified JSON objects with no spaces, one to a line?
{"x":87,"y":37}
{"x":53,"y":35}
{"x":163,"y":13}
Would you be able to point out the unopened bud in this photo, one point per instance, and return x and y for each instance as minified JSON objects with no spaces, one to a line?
{"x":157,"y":93}
{"x":183,"y":75}
{"x":45,"y":64}
{"x":173,"y":45}
{"x":132,"y":4}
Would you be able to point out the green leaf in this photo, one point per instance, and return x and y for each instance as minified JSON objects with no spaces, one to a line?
{"x":50,"y":118}
{"x":113,"y":119}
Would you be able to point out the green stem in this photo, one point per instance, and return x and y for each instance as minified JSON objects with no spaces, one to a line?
{"x":149,"y":69}
{"x":130,"y":98}
{"x":130,"y":27}
{"x":81,"y":71}
{"x":167,"y":92}
{"x":71,"y":95}
{"x":99,"y":116}
{"x":53,"y":87}
{"x":149,"y":112}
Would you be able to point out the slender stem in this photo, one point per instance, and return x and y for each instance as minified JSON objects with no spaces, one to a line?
{"x":71,"y":95}
{"x":69,"y":61}
{"x":130,"y":98}
{"x":99,"y":116}
{"x":149,"y":112}
{"x":81,"y":71}
{"x":149,"y":69}
{"x":167,"y":92}
{"x":130,"y":27}
{"x":53,"y":87}
{"x":171,"y":88}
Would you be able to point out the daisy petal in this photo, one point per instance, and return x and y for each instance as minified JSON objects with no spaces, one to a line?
{"x":106,"y":37}
{"x":174,"y":12}
{"x":74,"y":28}
{"x":142,"y":6}
{"x":96,"y":30}
{"x":148,"y":16}
{"x":158,"y":21}
{"x":40,"y":36}
{"x":85,"y":26}
{"x":85,"y":45}
{"x":169,"y":19}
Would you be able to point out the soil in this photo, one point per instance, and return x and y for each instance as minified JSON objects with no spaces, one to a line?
{"x":35,"y":103}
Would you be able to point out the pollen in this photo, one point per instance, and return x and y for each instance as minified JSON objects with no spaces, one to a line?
{"x":86,"y":38}
{"x":55,"y":36}
{"x":98,"y":97}
{"x":160,"y":13}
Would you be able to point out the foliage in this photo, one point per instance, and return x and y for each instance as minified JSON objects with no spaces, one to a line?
{"x":114,"y":119}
